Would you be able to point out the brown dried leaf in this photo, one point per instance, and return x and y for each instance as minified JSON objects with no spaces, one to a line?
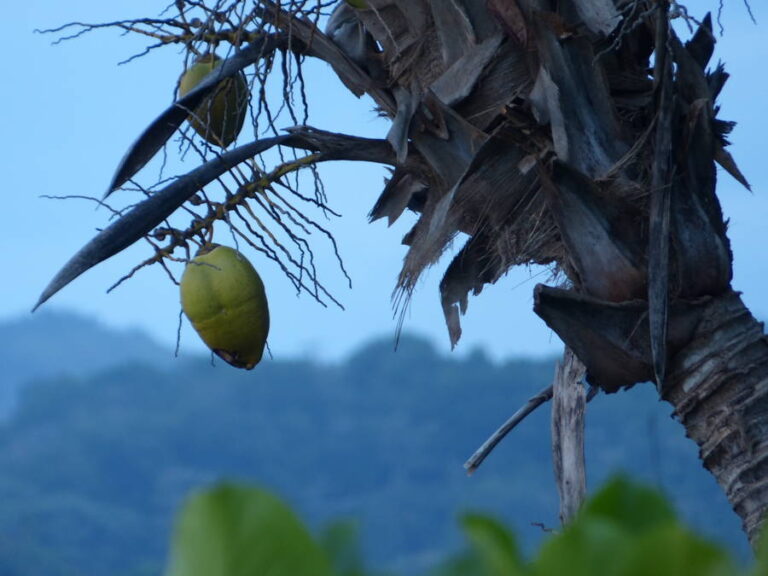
{"x":600,"y":16}
{"x":511,"y":18}
{"x":459,"y":80}
{"x":454,"y":29}
{"x":396,"y":196}
{"x":726,"y":161}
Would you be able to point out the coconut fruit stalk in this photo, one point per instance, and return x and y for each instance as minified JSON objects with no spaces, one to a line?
{"x":220,"y":117}
{"x":223,"y":297}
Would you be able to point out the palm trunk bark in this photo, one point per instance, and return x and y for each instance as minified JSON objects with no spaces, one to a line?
{"x":718,"y":386}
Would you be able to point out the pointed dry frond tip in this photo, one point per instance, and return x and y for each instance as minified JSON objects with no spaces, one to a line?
{"x":726,"y":161}
{"x":148,"y":214}
{"x":164,"y":126}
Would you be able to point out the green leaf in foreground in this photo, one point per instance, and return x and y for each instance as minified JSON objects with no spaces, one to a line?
{"x":240,"y":531}
{"x":672,"y":550}
{"x":588,"y":547}
{"x":761,"y":568}
{"x":341,"y":544}
{"x":631,"y":506}
{"x":628,"y":529}
{"x":493,"y":544}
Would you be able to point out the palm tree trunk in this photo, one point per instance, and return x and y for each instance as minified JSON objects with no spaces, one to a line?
{"x":718,"y":386}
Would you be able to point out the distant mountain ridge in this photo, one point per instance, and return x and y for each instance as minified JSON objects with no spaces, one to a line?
{"x":51,"y":343}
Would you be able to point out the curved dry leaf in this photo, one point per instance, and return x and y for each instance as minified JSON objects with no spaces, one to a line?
{"x":164,"y":126}
{"x":141,"y":219}
{"x":511,"y":18}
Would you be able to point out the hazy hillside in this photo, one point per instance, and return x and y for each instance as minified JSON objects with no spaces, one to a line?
{"x":94,"y":466}
{"x":48,"y":344}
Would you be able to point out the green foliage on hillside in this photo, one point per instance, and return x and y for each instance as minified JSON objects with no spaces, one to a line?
{"x":57,"y":343}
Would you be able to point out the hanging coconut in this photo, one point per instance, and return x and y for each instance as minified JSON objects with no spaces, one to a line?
{"x":223,"y":297}
{"x":220,"y":117}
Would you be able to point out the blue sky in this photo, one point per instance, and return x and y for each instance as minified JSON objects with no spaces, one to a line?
{"x":69,"y":112}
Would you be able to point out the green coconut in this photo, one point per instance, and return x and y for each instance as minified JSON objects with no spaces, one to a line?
{"x":223,"y":297}
{"x":220,"y":117}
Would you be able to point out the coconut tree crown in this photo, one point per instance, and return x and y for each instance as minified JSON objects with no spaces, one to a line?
{"x":583,"y":136}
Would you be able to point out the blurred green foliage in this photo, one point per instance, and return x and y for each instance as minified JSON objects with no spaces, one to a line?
{"x":340,"y":541}
{"x":626,"y":529}
{"x":233,"y":530}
